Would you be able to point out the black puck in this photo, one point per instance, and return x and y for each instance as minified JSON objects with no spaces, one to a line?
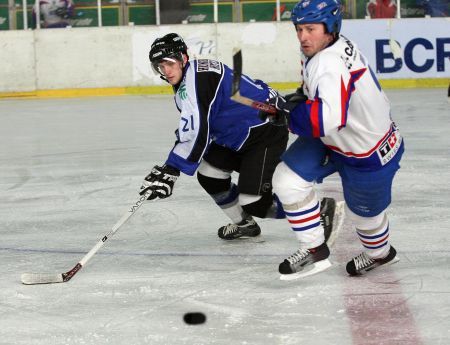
{"x":194,"y":318}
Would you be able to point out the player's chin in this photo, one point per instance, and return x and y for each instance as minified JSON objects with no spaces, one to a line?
{"x":172,"y":80}
{"x":307,"y":51}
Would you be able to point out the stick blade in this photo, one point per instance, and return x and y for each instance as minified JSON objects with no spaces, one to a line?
{"x":237,"y":71}
{"x":41,"y":278}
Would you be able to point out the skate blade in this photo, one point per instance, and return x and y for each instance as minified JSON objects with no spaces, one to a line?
{"x":393,"y":261}
{"x":317,"y":267}
{"x":248,"y":239}
{"x":338,"y":222}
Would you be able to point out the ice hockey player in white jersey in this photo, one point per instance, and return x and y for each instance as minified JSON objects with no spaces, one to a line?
{"x":217,"y":136}
{"x":343,"y":120}
{"x":55,"y":13}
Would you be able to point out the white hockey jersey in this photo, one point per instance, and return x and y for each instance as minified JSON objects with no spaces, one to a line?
{"x":56,"y":13}
{"x":346,"y":108}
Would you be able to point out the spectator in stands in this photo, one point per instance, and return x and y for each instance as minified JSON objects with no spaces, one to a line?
{"x":55,"y":13}
{"x":345,"y":10}
{"x":435,"y":8}
{"x":381,"y":9}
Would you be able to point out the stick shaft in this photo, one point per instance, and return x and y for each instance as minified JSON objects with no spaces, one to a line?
{"x":237,"y":97}
{"x":236,"y":87}
{"x":50,"y":278}
{"x":114,"y":229}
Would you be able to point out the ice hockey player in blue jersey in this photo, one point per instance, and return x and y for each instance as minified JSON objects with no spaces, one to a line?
{"x":344,"y":125}
{"x":217,"y":136}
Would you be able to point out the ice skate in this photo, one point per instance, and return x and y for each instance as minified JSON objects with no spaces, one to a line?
{"x":362,"y":263}
{"x":305,"y":262}
{"x":248,"y":228}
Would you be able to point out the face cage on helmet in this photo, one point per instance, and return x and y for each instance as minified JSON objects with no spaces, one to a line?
{"x":173,"y":57}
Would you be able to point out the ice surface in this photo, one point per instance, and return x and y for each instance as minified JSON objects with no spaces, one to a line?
{"x":71,"y":167}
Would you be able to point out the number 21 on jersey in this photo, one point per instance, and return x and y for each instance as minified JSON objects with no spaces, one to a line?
{"x":188,"y":123}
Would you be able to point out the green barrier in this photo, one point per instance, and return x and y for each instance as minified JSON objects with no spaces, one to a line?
{"x":142,"y":14}
{"x":19,"y":18}
{"x":88,"y":17}
{"x":266,"y":11}
{"x":4,"y":18}
{"x":204,"y":13}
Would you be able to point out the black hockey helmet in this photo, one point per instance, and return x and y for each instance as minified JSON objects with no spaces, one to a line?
{"x":168,"y":46}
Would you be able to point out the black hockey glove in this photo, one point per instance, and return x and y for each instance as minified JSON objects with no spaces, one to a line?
{"x":160,"y":181}
{"x":297,"y":97}
{"x":284,"y":106}
{"x":281,"y":117}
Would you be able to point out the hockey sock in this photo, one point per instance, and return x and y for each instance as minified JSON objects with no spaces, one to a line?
{"x":228,"y":201}
{"x":376,"y":242}
{"x":304,"y":218}
{"x":224,"y":193}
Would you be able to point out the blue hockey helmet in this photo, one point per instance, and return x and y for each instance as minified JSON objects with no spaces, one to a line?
{"x":319,"y":11}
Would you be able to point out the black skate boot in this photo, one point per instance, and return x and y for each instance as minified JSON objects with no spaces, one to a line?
{"x":247,"y":228}
{"x":305,"y":262}
{"x":362,"y":263}
{"x":327,"y":210}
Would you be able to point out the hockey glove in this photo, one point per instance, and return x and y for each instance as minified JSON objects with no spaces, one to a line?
{"x":160,"y":181}
{"x":281,"y":117}
{"x":296,"y":97}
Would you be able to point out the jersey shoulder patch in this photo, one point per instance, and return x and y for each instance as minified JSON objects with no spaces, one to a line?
{"x":206,"y":65}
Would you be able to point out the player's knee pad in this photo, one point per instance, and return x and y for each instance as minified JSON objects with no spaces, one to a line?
{"x":208,"y":170}
{"x":365,"y":223}
{"x":212,"y":179}
{"x":214,"y":186}
{"x":289,"y":187}
{"x":256,"y":205}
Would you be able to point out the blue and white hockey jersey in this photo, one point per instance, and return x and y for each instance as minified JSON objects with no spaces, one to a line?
{"x":346,"y":108}
{"x":209,"y":115}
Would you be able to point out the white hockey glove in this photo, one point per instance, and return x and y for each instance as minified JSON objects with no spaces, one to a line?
{"x":160,"y":181}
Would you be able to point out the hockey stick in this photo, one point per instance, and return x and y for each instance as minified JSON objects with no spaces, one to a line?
{"x":236,"y":87}
{"x":50,"y":278}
